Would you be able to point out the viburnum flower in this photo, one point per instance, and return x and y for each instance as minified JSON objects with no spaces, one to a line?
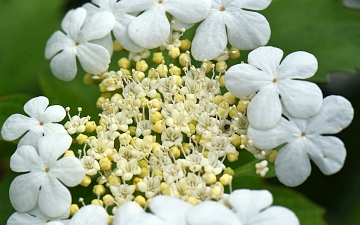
{"x":90,"y":215}
{"x":165,"y":210}
{"x":35,"y":217}
{"x":42,"y":186}
{"x":40,"y":122}
{"x":304,"y":139}
{"x":227,"y":21}
{"x":265,"y":74}
{"x":250,"y":207}
{"x":119,"y":9}
{"x":80,"y":32}
{"x":151,"y":28}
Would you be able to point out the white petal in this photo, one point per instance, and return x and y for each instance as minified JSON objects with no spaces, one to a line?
{"x":136,"y":6}
{"x":246,"y":30}
{"x":126,"y":212}
{"x":24,"y":219}
{"x":250,"y":4}
{"x":301,"y":99}
{"x":245,"y":79}
{"x":91,"y":9}
{"x":54,"y":198}
{"x":264,"y":110}
{"x":57,"y":42}
{"x":271,"y":138}
{"x":90,"y":215}
{"x":63,"y":65}
{"x":31,"y":138}
{"x":266,"y":59}
{"x":247,"y":203}
{"x":292,"y":164}
{"x":52,"y":146}
{"x":25,"y":159}
{"x":145,"y":219}
{"x":93,"y":58}
{"x":98,"y":26}
{"x":211,"y":213}
{"x":335,"y":114}
{"x":327,"y":152}
{"x":106,"y":42}
{"x":50,"y":128}
{"x":276,"y":215}
{"x":16,"y":125}
{"x":170,"y":209}
{"x":151,"y":28}
{"x":73,"y":21}
{"x":55,"y":113}
{"x":35,"y":107}
{"x":66,"y":166}
{"x":121,"y":33}
{"x":188,"y":11}
{"x":298,"y":65}
{"x":24,"y":197}
{"x":210,"y":38}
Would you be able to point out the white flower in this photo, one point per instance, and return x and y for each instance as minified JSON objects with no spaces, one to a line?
{"x":63,"y":48}
{"x":265,"y":74}
{"x":40,"y":122}
{"x":152,"y":28}
{"x":251,"y":208}
{"x":90,"y":215}
{"x":42,"y":184}
{"x":304,"y":138}
{"x":165,"y":210}
{"x":119,"y":9}
{"x":35,"y":217}
{"x":227,"y":20}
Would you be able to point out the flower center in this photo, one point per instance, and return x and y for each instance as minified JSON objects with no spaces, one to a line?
{"x":47,"y":170}
{"x":274,"y":80}
{"x":160,"y":1}
{"x":222,"y":8}
{"x":77,"y":43}
{"x":303,"y":133}
{"x":41,"y":123}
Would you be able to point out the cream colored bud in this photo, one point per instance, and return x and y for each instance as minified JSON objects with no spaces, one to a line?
{"x":209,"y":178}
{"x":73,"y":209}
{"x":99,"y":102}
{"x":192,"y":200}
{"x":272,"y":156}
{"x":221,"y":66}
{"x":117,"y":46}
{"x":218,"y":99}
{"x":88,"y":79}
{"x":184,"y":59}
{"x":124,"y":63}
{"x":99,"y":190}
{"x":140,"y":200}
{"x":174,"y":53}
{"x":80,"y":139}
{"x":164,"y":188}
{"x":144,"y":172}
{"x":226,"y":179}
{"x":235,"y":140}
{"x":234,"y":53}
{"x":90,"y":127}
{"x":229,"y":98}
{"x":158,"y":57}
{"x":242,"y":106}
{"x":229,"y":171}
{"x":105,"y":164}
{"x":69,"y":153}
{"x":109,"y":200}
{"x":174,"y":152}
{"x":86,"y":181}
{"x":159,"y":126}
{"x":208,"y":65}
{"x":114,"y":180}
{"x":222,"y":81}
{"x":162,"y":70}
{"x":185,"y":45}
{"x":155,"y":117}
{"x":232,"y":157}
{"x":138,"y":75}
{"x":175,"y":70}
{"x":97,"y":202}
{"x":142,"y":65}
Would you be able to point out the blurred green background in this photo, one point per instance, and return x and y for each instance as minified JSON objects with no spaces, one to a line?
{"x":324,"y":28}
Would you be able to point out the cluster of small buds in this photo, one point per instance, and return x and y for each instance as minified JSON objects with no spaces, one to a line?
{"x":164,"y":130}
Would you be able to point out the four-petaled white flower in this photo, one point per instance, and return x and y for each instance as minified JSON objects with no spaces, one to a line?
{"x":265,"y":74}
{"x":165,"y":210}
{"x":251,"y":208}
{"x":304,"y":138}
{"x":80,"y":32}
{"x":227,"y":21}
{"x":152,"y":28}
{"x":40,"y":122}
{"x":42,"y":186}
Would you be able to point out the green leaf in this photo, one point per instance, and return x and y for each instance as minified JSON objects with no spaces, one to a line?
{"x":72,"y":94}
{"x":324,"y":28}
{"x":12,"y":104}
{"x":25,"y":27}
{"x":6,"y":208}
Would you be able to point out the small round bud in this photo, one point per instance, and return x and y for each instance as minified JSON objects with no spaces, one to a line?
{"x":109,"y":200}
{"x":184,"y":59}
{"x":90,"y":127}
{"x":174,"y":53}
{"x":99,"y":190}
{"x":69,"y":153}
{"x":141,"y":65}
{"x":162,"y":70}
{"x":105,"y":164}
{"x":117,"y":46}
{"x":272,"y":156}
{"x":229,"y":98}
{"x":222,"y":81}
{"x":88,"y":79}
{"x":235,"y":140}
{"x":140,"y":200}
{"x":192,"y":200}
{"x":97,"y":202}
{"x":73,"y":209}
{"x":158,"y":57}
{"x":218,"y":99}
{"x":209,"y":178}
{"x":221,"y":66}
{"x":124,"y":63}
{"x":80,"y":139}
{"x":226,"y":179}
{"x":185,"y":45}
{"x":86,"y":181}
{"x":229,"y":171}
{"x":175,"y":70}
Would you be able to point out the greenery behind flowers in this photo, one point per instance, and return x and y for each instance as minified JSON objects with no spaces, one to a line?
{"x":323,"y":28}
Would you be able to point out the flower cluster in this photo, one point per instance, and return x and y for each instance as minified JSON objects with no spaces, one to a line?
{"x":168,"y":134}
